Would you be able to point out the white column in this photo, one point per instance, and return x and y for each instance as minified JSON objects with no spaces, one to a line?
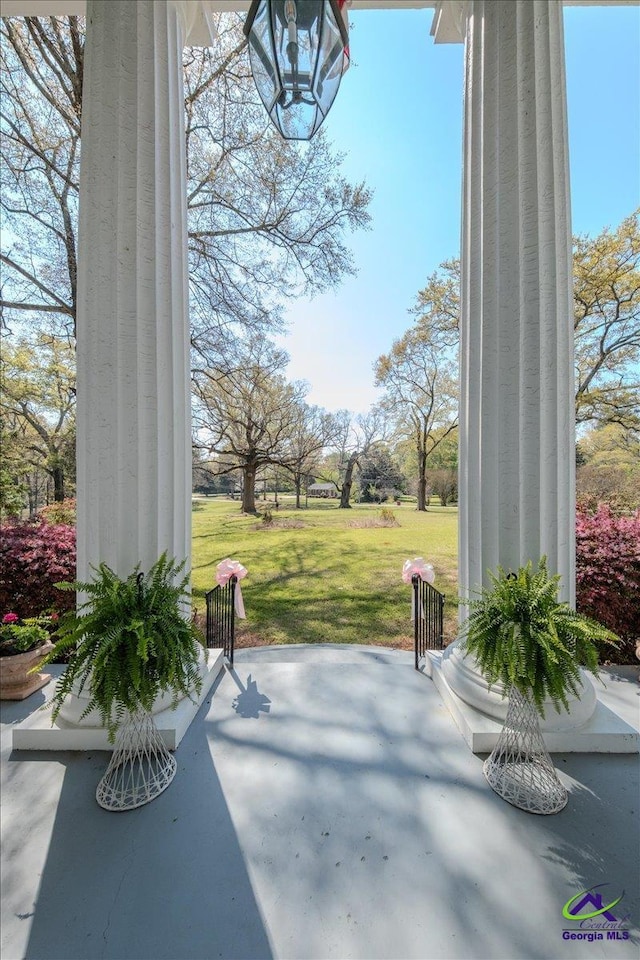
{"x":134,"y":430}
{"x":517,"y":443}
{"x":517,"y":403}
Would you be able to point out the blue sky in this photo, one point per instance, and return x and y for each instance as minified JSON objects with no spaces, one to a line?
{"x":398,"y":118}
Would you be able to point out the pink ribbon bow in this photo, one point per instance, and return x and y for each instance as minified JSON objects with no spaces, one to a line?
{"x":425,"y":571}
{"x":232,"y":568}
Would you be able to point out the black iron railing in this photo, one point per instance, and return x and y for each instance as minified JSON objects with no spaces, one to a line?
{"x":221,"y":617}
{"x":428,"y":618}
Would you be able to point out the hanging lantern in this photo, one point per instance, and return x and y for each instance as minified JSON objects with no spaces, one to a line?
{"x":298,"y":51}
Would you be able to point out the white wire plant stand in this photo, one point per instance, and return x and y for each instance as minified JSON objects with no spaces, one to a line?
{"x":520,"y":769}
{"x":141,"y":767}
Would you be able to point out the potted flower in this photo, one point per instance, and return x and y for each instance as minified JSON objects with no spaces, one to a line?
{"x":129,"y":643}
{"x":24,"y":644}
{"x":524,"y":638}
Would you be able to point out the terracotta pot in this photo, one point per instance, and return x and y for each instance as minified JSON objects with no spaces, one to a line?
{"x":16,"y":682}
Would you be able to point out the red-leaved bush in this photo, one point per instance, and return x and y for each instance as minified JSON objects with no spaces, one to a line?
{"x":608,"y":575}
{"x":34,"y":557}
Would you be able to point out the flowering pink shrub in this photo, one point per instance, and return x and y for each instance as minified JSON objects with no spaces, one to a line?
{"x":608,"y":574}
{"x":33,"y":557}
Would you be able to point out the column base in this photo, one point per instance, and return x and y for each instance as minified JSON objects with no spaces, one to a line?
{"x":603,"y":731}
{"x":465,"y":680}
{"x":38,"y":733}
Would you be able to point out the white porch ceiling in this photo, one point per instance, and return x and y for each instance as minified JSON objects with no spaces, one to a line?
{"x":198,"y":11}
{"x":45,"y":8}
{"x":446,"y":27}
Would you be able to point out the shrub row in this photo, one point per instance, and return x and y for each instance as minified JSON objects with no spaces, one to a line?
{"x":608,"y":575}
{"x":33,"y":557}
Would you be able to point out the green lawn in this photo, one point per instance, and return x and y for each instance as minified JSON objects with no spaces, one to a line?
{"x":324,"y":575}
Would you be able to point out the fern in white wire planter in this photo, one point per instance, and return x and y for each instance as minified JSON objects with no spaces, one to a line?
{"x":129,"y":643}
{"x":534,"y":645}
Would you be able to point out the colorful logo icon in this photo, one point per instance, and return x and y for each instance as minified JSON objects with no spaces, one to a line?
{"x":576,"y":908}
{"x":594,"y":918}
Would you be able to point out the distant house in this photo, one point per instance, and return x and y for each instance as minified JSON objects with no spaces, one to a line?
{"x":323,"y":490}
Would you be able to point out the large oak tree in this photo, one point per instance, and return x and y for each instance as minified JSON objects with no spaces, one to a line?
{"x":355,"y":438}
{"x":311,"y":432}
{"x":606,"y":314}
{"x":246,"y":414}
{"x":420,"y":379}
{"x":268,"y":219}
{"x":606,"y":295}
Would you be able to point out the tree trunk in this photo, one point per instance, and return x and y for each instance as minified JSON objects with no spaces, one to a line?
{"x":32,"y":496}
{"x":57,"y":474}
{"x":298,"y":483}
{"x":345,"y":493}
{"x":422,"y":475}
{"x":422,"y":494}
{"x":249,"y":488}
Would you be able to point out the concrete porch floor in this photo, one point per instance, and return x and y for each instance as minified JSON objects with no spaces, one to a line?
{"x":325,"y":806}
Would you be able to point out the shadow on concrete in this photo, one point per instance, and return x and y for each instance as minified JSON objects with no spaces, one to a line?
{"x":167,"y":880}
{"x":369,"y":825}
{"x":249,"y":703}
{"x":15,"y":711}
{"x":348,"y":820}
{"x":592,"y":841}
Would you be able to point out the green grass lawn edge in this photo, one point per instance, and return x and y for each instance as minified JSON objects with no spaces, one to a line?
{"x":325,"y":575}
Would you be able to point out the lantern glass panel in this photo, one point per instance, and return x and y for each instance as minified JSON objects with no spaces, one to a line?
{"x":263,"y":70}
{"x":297,"y":52}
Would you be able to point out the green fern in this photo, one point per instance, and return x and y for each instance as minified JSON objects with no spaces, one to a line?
{"x":129,"y":641}
{"x":522,"y":635}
